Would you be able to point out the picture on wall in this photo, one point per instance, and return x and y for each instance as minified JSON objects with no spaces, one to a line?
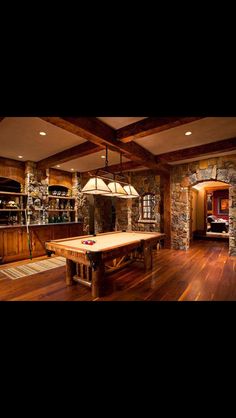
{"x":209,"y":202}
{"x":223,"y":206}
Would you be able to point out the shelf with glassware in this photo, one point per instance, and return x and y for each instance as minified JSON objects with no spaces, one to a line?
{"x":61,"y":205}
{"x":12,"y":208}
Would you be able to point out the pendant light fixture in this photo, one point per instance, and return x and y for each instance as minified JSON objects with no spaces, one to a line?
{"x":96,"y":184}
{"x":115,"y":187}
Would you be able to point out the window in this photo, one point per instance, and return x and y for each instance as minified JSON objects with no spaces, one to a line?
{"x":147,"y":206}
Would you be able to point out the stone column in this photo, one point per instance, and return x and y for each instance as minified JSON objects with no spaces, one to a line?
{"x":180,"y":197}
{"x":121,"y":214}
{"x":30,"y":170}
{"x":75,"y":192}
{"x":129,"y":213}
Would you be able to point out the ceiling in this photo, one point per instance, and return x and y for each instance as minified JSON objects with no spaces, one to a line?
{"x":204,"y":131}
{"x":92,"y":162}
{"x":119,"y":122}
{"x":20,"y":136}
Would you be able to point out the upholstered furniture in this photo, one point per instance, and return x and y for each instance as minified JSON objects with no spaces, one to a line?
{"x":217,"y":225}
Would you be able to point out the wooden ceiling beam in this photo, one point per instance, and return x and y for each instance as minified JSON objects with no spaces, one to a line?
{"x":151,"y":126}
{"x":212,"y":148}
{"x":81,"y":150}
{"x":101,"y":134}
{"x":89,"y":128}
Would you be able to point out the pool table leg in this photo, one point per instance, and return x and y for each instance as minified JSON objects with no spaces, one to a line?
{"x":70,"y":271}
{"x":98,"y":281}
{"x":147,"y":255}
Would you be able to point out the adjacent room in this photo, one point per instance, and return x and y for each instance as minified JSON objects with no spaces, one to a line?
{"x":210,"y":210}
{"x":117,"y":208}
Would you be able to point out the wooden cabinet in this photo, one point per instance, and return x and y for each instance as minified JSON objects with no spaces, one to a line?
{"x":11,"y":244}
{"x":15,"y":245}
{"x":1,"y":246}
{"x":60,"y":231}
{"x":39,"y":235}
{"x":14,"y":241}
{"x":75,"y":230}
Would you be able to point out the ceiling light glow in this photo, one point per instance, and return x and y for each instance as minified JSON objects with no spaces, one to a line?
{"x":42,"y":133}
{"x":188,"y":133}
{"x":20,"y":156}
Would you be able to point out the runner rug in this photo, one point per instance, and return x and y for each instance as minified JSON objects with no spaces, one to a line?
{"x":33,"y":268}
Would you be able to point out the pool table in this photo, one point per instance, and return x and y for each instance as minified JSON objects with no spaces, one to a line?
{"x":90,"y":264}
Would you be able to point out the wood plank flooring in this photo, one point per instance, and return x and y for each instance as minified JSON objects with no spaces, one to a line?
{"x":203,"y":273}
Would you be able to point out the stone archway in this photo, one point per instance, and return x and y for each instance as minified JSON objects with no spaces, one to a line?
{"x":185,"y":176}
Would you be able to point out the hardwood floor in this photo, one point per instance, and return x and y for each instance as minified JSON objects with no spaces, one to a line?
{"x":203,"y":273}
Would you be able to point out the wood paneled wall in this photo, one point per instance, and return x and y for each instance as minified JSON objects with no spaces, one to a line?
{"x":59,"y":177}
{"x":12,"y":169}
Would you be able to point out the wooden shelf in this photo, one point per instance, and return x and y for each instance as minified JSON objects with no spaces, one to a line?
{"x":14,"y":193}
{"x":60,"y":210}
{"x":147,"y":221}
{"x":61,"y":197}
{"x":11,"y":210}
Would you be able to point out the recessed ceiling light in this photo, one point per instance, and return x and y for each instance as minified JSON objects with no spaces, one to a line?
{"x":20,"y":156}
{"x":103,"y":156}
{"x":72,"y":169}
{"x":188,"y":133}
{"x":58,"y":166}
{"x":42,"y":133}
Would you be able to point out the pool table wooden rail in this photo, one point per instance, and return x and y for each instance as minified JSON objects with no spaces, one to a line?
{"x":91,"y":265}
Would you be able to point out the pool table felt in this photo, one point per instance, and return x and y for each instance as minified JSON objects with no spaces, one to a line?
{"x":106,"y":241}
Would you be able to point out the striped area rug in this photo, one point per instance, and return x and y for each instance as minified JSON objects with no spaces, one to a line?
{"x":37,"y":267}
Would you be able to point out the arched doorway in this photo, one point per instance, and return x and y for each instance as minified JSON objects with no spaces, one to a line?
{"x":183,"y":178}
{"x":209,"y":213}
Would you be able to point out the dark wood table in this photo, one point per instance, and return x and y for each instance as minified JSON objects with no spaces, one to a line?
{"x":89,"y":264}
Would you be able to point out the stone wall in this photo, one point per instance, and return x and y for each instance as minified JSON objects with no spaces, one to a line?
{"x":145,"y":182}
{"x":102,"y":214}
{"x":128,"y":210}
{"x":184,"y":176}
{"x":121,"y":214}
{"x":97,"y":207}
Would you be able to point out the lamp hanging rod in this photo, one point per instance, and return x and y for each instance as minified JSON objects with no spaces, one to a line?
{"x":108,"y":179}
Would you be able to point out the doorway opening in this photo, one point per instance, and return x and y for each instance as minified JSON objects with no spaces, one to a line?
{"x":209,"y":210}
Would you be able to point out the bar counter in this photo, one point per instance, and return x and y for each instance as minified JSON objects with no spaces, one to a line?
{"x":14,"y":239}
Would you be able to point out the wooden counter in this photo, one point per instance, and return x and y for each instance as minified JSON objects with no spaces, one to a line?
{"x":14,"y":240}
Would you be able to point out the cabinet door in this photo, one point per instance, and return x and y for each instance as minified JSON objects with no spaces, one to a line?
{"x":24,"y":244}
{"x":11,"y":245}
{"x":39,"y":236}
